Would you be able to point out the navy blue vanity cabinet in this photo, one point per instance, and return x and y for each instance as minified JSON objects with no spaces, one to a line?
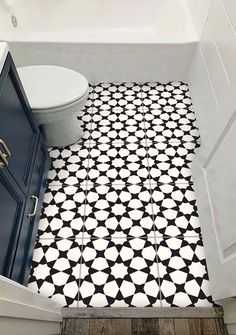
{"x":24,"y":164}
{"x":12,"y":204}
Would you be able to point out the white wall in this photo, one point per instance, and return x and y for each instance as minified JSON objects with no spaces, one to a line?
{"x":199,"y":11}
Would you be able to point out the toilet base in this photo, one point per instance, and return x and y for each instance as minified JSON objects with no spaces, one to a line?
{"x":64,"y":132}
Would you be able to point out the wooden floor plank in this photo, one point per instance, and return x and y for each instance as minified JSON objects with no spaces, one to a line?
{"x":75,"y":327}
{"x":221,"y":327}
{"x":208,"y":327}
{"x":152,"y":326}
{"x":166,"y":327}
{"x":102,"y":327}
{"x":195,"y":327}
{"x":181,"y":327}
{"x":123,"y":327}
{"x":145,"y":327}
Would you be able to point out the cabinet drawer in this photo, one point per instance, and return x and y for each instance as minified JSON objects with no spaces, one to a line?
{"x":29,"y":226}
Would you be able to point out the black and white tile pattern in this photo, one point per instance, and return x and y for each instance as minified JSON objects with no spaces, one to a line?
{"x":118,"y":124}
{"x":63,"y":212}
{"x":126,"y":95}
{"x":118,"y":211}
{"x":55,"y":270}
{"x":69,"y":165}
{"x":115,"y":163}
{"x":170,"y":124}
{"x":171,"y":162}
{"x":183,"y":274}
{"x":119,"y":224}
{"x":119,"y":273}
{"x":175,"y":210}
{"x":174,"y":94}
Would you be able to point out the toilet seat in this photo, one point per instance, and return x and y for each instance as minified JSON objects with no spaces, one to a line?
{"x":50,"y":88}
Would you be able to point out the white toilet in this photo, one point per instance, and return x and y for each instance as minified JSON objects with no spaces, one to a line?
{"x":56,"y":96}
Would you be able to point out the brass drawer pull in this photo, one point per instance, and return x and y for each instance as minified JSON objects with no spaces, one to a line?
{"x":7,"y":152}
{"x":3,"y":160}
{"x":33,"y":197}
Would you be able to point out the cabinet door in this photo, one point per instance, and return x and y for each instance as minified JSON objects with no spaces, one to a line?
{"x":12,"y":206}
{"x":17,"y":126}
{"x":28,"y":232}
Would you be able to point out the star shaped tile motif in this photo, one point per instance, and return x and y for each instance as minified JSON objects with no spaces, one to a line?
{"x":56,"y":269}
{"x":63,"y":212}
{"x":171,"y":162}
{"x":69,"y":165}
{"x":183,"y":273}
{"x":118,"y":124}
{"x":175,"y":210}
{"x":170,"y":125}
{"x":156,"y":95}
{"x":118,"y":211}
{"x":119,"y":273}
{"x":125,"y":95}
{"x":118,"y":163}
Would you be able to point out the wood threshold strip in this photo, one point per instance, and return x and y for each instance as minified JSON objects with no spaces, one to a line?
{"x":142,"y":313}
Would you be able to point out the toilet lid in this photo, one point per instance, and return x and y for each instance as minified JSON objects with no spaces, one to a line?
{"x":48,"y":86}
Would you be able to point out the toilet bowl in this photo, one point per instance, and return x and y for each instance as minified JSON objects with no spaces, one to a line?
{"x":56,"y":96}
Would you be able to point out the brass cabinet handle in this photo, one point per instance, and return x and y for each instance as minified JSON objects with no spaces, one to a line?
{"x":33,"y":197}
{"x":3,"y":161}
{"x":7,"y":152}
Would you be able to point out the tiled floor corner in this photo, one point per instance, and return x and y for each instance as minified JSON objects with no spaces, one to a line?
{"x":119,"y":224}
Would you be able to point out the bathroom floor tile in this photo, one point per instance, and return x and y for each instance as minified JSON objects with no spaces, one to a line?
{"x":183,"y":273}
{"x":56,"y":269}
{"x":171,"y":162}
{"x":117,"y":95}
{"x":118,"y":124}
{"x":119,"y":273}
{"x":175,"y":210}
{"x":156,"y":95}
{"x":118,"y":211}
{"x":167,"y":113}
{"x":69,"y":164}
{"x":170,"y":125}
{"x":112,"y":163}
{"x":63,"y":212}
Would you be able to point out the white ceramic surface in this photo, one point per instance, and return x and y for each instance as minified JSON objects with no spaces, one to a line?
{"x":3,"y":54}
{"x":65,"y":86}
{"x":108,"y":41}
{"x":133,"y":21}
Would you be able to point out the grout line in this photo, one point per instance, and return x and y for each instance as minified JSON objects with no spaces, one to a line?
{"x":85,"y":204}
{"x":94,"y":238}
{"x":125,"y":184}
{"x":155,"y":231}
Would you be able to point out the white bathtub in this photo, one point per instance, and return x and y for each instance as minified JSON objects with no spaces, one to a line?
{"x":106,"y":40}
